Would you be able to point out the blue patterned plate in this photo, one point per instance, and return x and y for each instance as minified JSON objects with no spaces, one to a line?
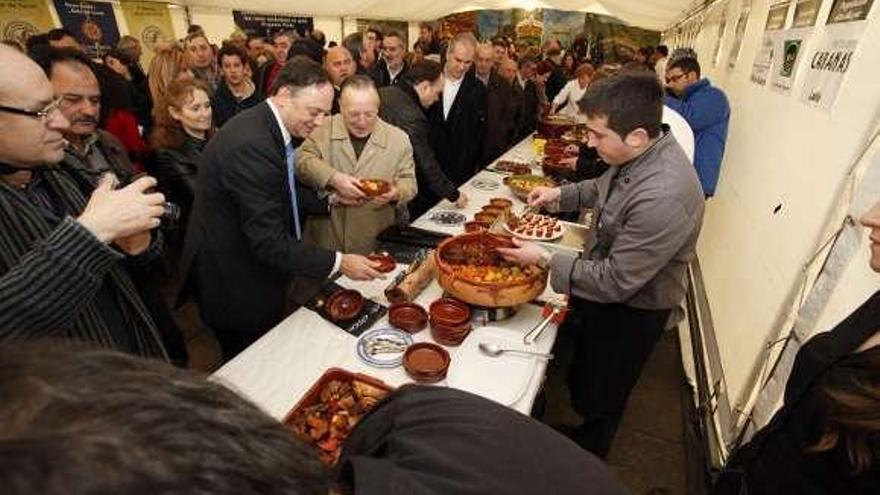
{"x":383,"y":347}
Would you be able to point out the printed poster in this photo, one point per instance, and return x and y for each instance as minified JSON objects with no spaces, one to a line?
{"x":150,"y":23}
{"x":829,"y":63}
{"x":93,"y":24}
{"x":805,"y":13}
{"x":722,"y":26}
{"x":776,"y":17}
{"x":764,"y":59}
{"x":738,"y":35}
{"x":21,"y":19}
{"x":790,"y":46}
{"x":257,"y":24}
{"x":849,"y":11}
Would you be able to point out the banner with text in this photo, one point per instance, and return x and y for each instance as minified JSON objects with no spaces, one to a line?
{"x":255,"y":23}
{"x":21,"y":19}
{"x":150,"y":23}
{"x":93,"y":24}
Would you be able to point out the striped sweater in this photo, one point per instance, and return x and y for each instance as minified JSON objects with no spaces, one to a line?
{"x":50,"y":274}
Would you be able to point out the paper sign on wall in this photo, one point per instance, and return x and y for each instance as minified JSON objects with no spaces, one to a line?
{"x":21,"y":19}
{"x":805,"y":13}
{"x":738,"y":35}
{"x":93,"y":24}
{"x":150,"y":23}
{"x":829,"y":63}
{"x":722,"y":26}
{"x":764,"y":59}
{"x":790,"y":46}
{"x":849,"y":11}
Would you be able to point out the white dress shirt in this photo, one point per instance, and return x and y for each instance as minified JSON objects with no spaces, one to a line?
{"x":450,"y":91}
{"x":285,"y":135}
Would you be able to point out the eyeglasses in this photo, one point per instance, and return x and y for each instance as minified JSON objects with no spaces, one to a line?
{"x":42,"y":115}
{"x":672,"y":79}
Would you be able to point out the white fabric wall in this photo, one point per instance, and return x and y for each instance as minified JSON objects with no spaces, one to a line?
{"x":779,"y":151}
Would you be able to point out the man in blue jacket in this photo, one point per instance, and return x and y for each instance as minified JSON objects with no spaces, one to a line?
{"x":706,"y":109}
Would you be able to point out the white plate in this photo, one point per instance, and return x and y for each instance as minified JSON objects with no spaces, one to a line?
{"x":504,"y":378}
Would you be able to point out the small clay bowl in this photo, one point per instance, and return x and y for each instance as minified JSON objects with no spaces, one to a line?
{"x":475,"y":226}
{"x":450,"y":335}
{"x":374,"y":187}
{"x":408,"y":316}
{"x":501,"y":203}
{"x":344,"y":304}
{"x":493,"y":210}
{"x":387,"y":262}
{"x":449,"y":312}
{"x":425,"y":362}
{"x":485,"y":217}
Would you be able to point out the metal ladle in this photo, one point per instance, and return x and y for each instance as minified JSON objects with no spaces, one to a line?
{"x":495,"y":350}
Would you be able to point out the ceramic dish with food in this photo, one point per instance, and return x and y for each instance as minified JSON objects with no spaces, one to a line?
{"x":344,"y":305}
{"x":475,"y":226}
{"x":387,"y":263}
{"x":470,"y":269}
{"x":374,"y":187}
{"x":383,"y":347}
{"x":536,"y":227}
{"x":332,"y":407}
{"x":501,"y":203}
{"x":511,"y":167}
{"x":522,"y":185}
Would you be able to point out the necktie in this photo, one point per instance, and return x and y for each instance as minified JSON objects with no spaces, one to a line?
{"x":291,"y":181}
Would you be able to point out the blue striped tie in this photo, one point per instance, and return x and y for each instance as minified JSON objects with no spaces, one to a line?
{"x":291,"y":181}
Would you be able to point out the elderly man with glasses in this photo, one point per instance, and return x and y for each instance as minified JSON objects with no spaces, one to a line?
{"x":349,"y":147}
{"x":61,"y":273}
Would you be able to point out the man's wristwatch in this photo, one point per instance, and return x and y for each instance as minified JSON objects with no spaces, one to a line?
{"x":544,"y":260}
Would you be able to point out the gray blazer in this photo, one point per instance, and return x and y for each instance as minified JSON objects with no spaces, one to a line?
{"x":646,"y":219}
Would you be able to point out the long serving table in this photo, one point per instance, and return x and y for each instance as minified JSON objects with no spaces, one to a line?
{"x":278,"y":369}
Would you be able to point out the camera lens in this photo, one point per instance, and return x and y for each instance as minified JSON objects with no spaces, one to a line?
{"x":170,"y":216}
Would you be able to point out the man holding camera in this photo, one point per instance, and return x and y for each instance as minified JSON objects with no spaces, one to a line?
{"x":61,"y":273}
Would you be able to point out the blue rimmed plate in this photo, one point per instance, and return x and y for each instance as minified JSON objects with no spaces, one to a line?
{"x":383,"y":347}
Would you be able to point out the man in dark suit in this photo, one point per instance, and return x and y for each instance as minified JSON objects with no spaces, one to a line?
{"x":243,"y":246}
{"x":531,"y":102}
{"x":458,"y":119}
{"x":503,"y":107}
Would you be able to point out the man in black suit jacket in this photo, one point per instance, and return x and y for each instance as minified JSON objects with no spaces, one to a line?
{"x":458,"y":119}
{"x":243,"y":246}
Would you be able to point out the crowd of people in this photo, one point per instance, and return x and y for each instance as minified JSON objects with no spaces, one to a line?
{"x":230,"y":178}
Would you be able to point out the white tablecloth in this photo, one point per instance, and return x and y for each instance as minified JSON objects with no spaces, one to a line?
{"x":278,"y":369}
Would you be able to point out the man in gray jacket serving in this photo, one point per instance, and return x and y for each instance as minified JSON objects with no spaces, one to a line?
{"x":647,"y":212}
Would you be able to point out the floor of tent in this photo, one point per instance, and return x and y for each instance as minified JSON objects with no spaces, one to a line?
{"x":649,"y":452}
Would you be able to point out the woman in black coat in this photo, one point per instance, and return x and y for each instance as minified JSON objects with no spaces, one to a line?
{"x":826,"y":436}
{"x":183,"y":124}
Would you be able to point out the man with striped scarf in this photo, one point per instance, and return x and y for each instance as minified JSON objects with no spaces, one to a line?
{"x":62,"y":253}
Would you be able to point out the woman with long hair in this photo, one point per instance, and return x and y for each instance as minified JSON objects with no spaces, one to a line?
{"x":182,"y":125}
{"x":826,"y":436}
{"x":169,"y":64}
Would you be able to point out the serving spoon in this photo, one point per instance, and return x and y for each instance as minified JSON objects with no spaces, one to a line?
{"x":495,"y":350}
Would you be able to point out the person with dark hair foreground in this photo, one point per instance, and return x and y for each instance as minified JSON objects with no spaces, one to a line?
{"x":706,"y":110}
{"x":826,"y":436}
{"x":244,"y":243}
{"x":97,"y":422}
{"x":404,"y":105}
{"x":623,"y":286}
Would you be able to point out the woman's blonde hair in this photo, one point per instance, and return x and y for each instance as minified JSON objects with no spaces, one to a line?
{"x":167,"y":64}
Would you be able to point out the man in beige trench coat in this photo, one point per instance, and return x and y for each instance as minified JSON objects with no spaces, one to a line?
{"x":354,"y":145}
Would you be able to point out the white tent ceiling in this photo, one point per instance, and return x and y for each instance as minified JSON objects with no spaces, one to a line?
{"x":649,"y":14}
